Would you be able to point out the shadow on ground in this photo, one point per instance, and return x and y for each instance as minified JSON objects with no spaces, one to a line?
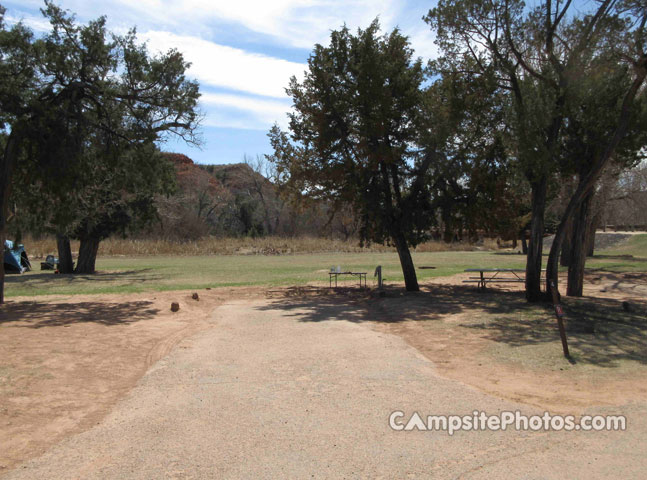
{"x":600,"y":330}
{"x":41,"y":277}
{"x":434,"y":302}
{"x":39,"y":314}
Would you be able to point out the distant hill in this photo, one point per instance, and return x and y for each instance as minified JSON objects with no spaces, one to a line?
{"x":240,"y":178}
{"x":230,"y":199}
{"x":237,"y":178}
{"x":188,"y":172}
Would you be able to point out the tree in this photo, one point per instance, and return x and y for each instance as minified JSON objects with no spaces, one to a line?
{"x":260,"y":176}
{"x":628,"y":42}
{"x":622,"y":197}
{"x":537,"y":57}
{"x":473,"y":184}
{"x":585,"y":135}
{"x":102,"y":104}
{"x":355,"y":137}
{"x":498,"y":40}
{"x":119,"y":200}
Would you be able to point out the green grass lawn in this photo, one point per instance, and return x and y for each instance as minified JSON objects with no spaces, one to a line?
{"x":155,"y":273}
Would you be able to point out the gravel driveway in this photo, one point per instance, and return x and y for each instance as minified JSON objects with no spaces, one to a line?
{"x":261,"y":394}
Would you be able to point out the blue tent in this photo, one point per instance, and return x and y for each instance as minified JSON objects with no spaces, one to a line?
{"x":15,"y":258}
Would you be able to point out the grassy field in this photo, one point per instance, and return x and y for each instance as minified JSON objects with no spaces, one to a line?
{"x":156,"y":273}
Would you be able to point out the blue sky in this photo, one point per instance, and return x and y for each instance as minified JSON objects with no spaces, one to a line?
{"x":243,"y":52}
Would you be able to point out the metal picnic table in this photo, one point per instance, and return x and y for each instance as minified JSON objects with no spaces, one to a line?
{"x":491,"y":275}
{"x":361,"y":275}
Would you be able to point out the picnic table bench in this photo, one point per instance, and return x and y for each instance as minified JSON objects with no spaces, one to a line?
{"x":361,"y":275}
{"x":491,"y":275}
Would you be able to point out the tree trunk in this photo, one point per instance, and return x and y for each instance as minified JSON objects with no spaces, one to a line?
{"x":65,"y":263}
{"x":87,"y":255}
{"x":580,"y":223}
{"x":590,"y":237}
{"x":524,"y":244}
{"x":535,"y":245}
{"x":448,"y":231}
{"x":408,"y":270}
{"x":588,"y":181}
{"x":565,"y":257}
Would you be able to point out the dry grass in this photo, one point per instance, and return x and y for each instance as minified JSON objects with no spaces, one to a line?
{"x":39,"y":248}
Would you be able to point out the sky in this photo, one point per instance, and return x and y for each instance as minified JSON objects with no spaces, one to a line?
{"x":243,"y":53}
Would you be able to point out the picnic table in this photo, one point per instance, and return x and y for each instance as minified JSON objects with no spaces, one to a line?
{"x":361,"y":275}
{"x":491,"y":275}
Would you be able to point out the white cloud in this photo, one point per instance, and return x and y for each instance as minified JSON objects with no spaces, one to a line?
{"x":298,"y":23}
{"x":295,"y":23}
{"x":189,"y":25}
{"x":222,"y":66}
{"x":37,"y":24}
{"x":226,"y":110}
{"x":422,"y":41}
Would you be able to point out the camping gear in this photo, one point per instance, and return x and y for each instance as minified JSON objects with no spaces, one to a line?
{"x":15,"y":258}
{"x":50,"y":263}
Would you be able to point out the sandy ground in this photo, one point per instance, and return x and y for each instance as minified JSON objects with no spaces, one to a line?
{"x":65,"y":361}
{"x":268,"y":393}
{"x":523,"y":361}
{"x":286,"y":384}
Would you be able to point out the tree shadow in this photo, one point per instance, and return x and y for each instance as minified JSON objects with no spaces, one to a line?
{"x":315,"y":304}
{"x":599,"y":330}
{"x":318,"y":304}
{"x":630,"y":258}
{"x":39,"y":314}
{"x":47,"y":277}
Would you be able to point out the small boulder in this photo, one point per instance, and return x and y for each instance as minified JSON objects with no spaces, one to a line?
{"x":175,"y":307}
{"x":195,"y":296}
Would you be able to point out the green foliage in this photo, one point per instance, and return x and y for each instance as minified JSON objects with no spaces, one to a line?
{"x":355,"y":133}
{"x":592,"y":118}
{"x":90,"y":166}
{"x":474,"y":184}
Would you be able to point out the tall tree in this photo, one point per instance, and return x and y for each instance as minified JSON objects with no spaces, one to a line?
{"x":624,"y":36}
{"x":537,"y":56}
{"x":355,"y":137}
{"x":103,"y":101}
{"x":496,"y":39}
{"x":585,"y":135}
{"x":473,"y":184}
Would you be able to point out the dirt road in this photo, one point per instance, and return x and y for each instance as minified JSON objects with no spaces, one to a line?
{"x":264,"y":394}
